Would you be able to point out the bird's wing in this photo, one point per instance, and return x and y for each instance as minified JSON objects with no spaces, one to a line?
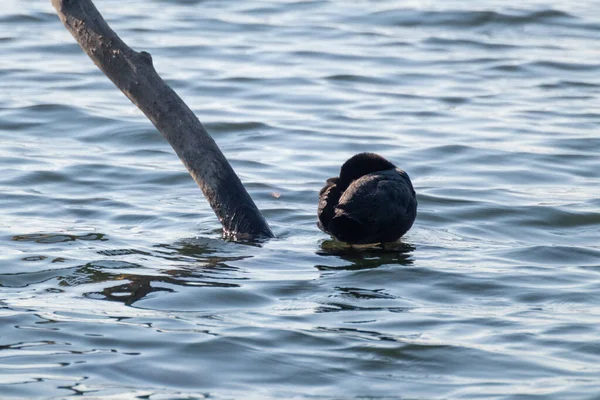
{"x":328,"y":199}
{"x":377,"y":205}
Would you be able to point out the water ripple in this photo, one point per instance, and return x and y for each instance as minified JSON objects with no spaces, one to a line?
{"x":115,"y":281}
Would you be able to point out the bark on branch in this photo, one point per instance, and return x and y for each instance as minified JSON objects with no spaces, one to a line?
{"x":134,"y":74}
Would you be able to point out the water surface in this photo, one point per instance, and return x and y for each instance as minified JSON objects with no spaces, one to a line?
{"x":115,"y":281}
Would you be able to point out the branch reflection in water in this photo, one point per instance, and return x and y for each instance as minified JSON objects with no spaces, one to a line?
{"x":136,"y":276}
{"x":195,"y":263}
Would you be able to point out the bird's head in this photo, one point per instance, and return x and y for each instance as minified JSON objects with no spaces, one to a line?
{"x":360,"y":165}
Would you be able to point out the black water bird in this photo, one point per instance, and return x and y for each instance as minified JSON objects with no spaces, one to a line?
{"x":372,"y":201}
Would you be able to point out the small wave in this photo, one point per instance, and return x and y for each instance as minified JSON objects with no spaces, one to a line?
{"x":34,"y":17}
{"x":566,"y":84}
{"x":235,"y":127}
{"x":446,"y":42}
{"x":565,"y":66}
{"x":567,"y":256}
{"x":358,"y":79}
{"x":469,"y":19}
{"x":46,"y":238}
{"x":537,"y":67}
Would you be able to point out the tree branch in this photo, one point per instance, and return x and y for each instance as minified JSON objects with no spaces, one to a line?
{"x":134,"y":74}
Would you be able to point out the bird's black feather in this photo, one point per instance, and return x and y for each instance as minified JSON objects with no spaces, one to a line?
{"x":371,"y":202}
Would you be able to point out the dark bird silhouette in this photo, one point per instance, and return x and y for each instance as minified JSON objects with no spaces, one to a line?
{"x":372,"y":201}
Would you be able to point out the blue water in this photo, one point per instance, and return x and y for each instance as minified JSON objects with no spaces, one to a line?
{"x":114,"y":278}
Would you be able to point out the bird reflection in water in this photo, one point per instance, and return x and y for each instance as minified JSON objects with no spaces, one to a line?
{"x":366,"y":257}
{"x":361,"y":296}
